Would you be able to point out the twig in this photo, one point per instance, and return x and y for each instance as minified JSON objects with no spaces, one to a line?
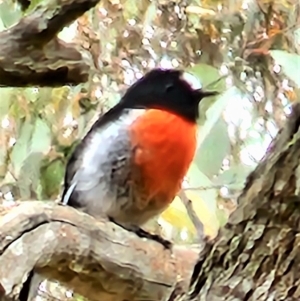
{"x":193,"y":216}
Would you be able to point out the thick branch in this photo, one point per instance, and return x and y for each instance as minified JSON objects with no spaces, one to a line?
{"x":97,"y":259}
{"x":30,"y":53}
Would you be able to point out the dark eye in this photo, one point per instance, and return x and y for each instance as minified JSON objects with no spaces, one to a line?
{"x":169,"y":87}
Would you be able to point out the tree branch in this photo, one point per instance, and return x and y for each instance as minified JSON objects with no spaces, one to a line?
{"x":30,"y":53}
{"x":96,"y":259}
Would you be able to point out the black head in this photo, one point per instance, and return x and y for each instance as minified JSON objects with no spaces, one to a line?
{"x":172,"y":90}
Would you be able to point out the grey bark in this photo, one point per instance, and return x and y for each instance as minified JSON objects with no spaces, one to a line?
{"x":96,"y":259}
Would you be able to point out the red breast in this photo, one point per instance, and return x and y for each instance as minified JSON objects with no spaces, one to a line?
{"x":165,"y":147}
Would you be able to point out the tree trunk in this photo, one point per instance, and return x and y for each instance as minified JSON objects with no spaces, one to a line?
{"x":256,"y":255}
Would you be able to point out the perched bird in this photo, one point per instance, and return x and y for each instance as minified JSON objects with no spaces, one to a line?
{"x":131,"y":163}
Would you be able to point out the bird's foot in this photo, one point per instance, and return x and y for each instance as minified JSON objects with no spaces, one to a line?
{"x":144,"y":234}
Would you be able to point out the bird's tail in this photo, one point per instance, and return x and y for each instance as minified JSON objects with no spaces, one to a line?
{"x":66,"y":196}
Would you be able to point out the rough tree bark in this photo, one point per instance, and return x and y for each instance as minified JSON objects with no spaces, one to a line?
{"x":256,"y":257}
{"x":97,"y":259}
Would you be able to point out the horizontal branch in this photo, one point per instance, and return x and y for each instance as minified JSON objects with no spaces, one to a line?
{"x":98,"y":260}
{"x":32,"y":55}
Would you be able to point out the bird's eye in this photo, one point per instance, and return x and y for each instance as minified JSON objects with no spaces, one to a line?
{"x":169,"y":87}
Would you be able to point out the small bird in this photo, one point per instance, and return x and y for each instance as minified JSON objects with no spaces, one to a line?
{"x":130,"y":165}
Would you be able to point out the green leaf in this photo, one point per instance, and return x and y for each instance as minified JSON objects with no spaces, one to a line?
{"x":197,"y":179}
{"x":194,"y":21}
{"x":60,"y":103}
{"x":29,"y":175}
{"x":214,"y":113}
{"x":213,"y":139}
{"x":222,"y":217}
{"x":51,"y":178}
{"x":212,"y":151}
{"x":31,"y":94}
{"x":33,"y":5}
{"x":234,"y":177}
{"x":130,"y":9}
{"x":6,"y":100}
{"x":290,"y":64}
{"x":27,"y":153}
{"x":211,"y":80}
{"x":17,"y":110}
{"x":208,"y":75}
{"x":20,"y":149}
{"x":41,"y":99}
{"x":150,"y":14}
{"x":41,"y":137}
{"x":9,"y":14}
{"x":2,"y":26}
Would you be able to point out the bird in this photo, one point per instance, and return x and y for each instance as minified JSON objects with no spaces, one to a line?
{"x":131,"y":163}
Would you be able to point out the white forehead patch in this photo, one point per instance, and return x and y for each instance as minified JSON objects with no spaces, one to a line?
{"x":192,"y":80}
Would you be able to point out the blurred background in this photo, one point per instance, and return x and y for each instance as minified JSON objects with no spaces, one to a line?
{"x":249,"y":50}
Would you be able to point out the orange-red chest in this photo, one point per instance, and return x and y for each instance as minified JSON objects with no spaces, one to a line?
{"x":165,"y":147}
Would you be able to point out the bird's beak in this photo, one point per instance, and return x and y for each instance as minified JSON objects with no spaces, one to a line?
{"x":202,"y":94}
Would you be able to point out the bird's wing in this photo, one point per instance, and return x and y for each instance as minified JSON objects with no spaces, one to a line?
{"x":99,"y":169}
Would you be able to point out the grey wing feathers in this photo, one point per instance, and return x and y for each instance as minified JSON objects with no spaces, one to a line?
{"x":67,"y":194}
{"x":98,"y":172}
